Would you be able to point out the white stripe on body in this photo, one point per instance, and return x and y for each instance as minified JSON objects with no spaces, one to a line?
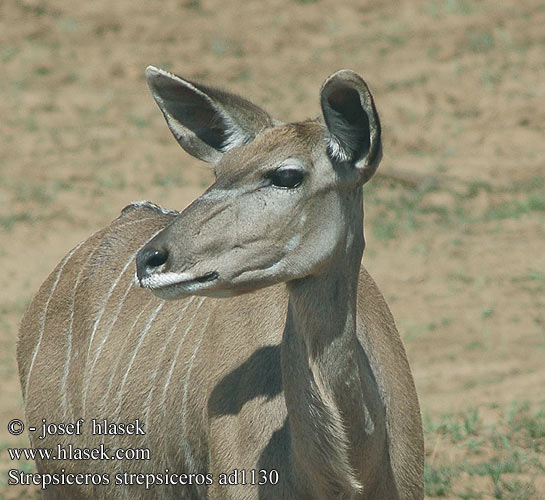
{"x":88,"y":374}
{"x":114,"y":369}
{"x":64,"y":399}
{"x":44,"y":314}
{"x":115,"y":282}
{"x":187,"y":450}
{"x":161,"y":354}
{"x":143,"y":334}
{"x":171,"y":371}
{"x":104,"y":340}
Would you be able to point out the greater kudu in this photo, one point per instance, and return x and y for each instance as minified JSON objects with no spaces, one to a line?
{"x":304,"y":378}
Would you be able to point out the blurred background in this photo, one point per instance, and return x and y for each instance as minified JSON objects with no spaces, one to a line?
{"x":455,"y":220}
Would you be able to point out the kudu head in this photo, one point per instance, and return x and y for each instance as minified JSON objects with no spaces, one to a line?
{"x":284,"y":194}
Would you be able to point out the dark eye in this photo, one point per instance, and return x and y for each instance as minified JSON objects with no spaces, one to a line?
{"x":287,"y":177}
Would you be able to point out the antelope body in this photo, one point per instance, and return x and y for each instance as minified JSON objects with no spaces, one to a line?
{"x":298,"y":370}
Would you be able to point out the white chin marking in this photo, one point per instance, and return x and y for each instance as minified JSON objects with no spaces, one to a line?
{"x":161,"y":280}
{"x":171,"y":293}
{"x":172,"y":286}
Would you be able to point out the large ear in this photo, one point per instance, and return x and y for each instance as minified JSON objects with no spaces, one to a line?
{"x":352,"y":122}
{"x":206,"y":122}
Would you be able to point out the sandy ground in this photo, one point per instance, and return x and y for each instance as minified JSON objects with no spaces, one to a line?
{"x":460,"y":86}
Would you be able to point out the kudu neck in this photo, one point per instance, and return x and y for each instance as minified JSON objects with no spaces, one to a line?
{"x":327,"y":388}
{"x":322,"y":306}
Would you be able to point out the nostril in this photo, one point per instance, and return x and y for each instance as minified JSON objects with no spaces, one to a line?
{"x":148,"y":260}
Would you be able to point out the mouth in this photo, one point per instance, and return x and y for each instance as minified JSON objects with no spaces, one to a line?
{"x":174,"y":285}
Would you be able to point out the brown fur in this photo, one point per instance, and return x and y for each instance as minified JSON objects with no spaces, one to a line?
{"x":234,"y":405}
{"x":225,"y":384}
